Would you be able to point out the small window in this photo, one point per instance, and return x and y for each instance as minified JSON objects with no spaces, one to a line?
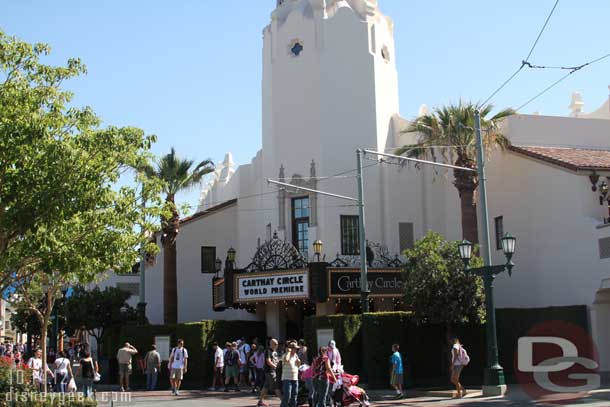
{"x":350,"y":239}
{"x":385,"y":53}
{"x":499,"y":222}
{"x":296,"y":48}
{"x":208,"y":259}
{"x":405,"y":236}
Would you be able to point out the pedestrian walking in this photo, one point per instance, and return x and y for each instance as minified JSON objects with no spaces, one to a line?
{"x":290,"y":375}
{"x":88,"y":371}
{"x":39,"y":373}
{"x":270,"y":368}
{"x":334,"y":356}
{"x":152,"y":365}
{"x":459,"y":359}
{"x":259,"y":364}
{"x":219,"y":363}
{"x":232,"y":367}
{"x":252,"y":367}
{"x":244,"y":349}
{"x":322,"y":372}
{"x":303,"y":355}
{"x":124,"y":358}
{"x":397,"y":371}
{"x":63,"y":372}
{"x":178,"y":364}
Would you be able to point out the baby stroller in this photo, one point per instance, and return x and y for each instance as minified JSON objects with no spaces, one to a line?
{"x":345,"y":391}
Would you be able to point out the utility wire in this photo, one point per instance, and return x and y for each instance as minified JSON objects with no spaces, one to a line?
{"x":525,"y":62}
{"x":541,"y":31}
{"x":572,"y":70}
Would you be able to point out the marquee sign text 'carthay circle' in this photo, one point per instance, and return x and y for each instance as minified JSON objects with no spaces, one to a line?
{"x":284,"y":285}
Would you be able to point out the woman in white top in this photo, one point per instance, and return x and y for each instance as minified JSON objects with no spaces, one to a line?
{"x":290,"y":376}
{"x":63,"y":372}
{"x":38,"y":373}
{"x":456,"y":368}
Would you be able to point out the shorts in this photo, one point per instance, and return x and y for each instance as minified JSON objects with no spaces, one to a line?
{"x":457,"y":370}
{"x":218,"y":371}
{"x":243,"y":369}
{"x":270,"y":381}
{"x":232,"y":371}
{"x":124,"y":369}
{"x":396,"y":379}
{"x":176,"y":374}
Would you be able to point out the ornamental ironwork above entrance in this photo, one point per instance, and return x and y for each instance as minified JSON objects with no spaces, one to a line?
{"x":377,"y":256}
{"x":276,"y":254}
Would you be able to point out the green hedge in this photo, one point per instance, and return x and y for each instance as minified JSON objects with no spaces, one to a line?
{"x":365,"y":344}
{"x":425,"y":348}
{"x":198,"y":338}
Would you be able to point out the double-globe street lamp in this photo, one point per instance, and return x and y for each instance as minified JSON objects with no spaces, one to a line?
{"x":494,"y":374}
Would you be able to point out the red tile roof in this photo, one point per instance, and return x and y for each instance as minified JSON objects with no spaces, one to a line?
{"x":572,"y":158}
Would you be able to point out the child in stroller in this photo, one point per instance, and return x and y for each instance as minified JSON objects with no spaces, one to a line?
{"x":345,"y":391}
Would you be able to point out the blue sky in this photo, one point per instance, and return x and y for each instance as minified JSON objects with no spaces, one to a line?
{"x":190,"y":71}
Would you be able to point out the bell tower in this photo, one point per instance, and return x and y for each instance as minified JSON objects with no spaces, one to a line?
{"x":329,"y":83}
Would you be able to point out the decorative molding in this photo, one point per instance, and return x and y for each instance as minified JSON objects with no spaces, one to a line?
{"x":377,"y":256}
{"x":276,"y":254}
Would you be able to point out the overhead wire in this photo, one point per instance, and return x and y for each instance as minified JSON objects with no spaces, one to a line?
{"x":552,"y":85}
{"x":525,"y":62}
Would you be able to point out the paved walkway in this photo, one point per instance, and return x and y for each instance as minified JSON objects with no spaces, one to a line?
{"x":600,"y":398}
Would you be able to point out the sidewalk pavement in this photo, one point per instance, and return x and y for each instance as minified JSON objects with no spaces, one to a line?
{"x":414,"y":398}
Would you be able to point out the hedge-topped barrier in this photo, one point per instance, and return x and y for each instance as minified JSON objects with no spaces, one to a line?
{"x":365,"y":342}
{"x":198,"y":338}
{"x":425,"y":349}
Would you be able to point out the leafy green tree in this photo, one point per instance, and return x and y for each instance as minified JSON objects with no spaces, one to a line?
{"x":96,"y":311}
{"x":436,"y":287}
{"x":63,"y":220}
{"x":176,"y":174}
{"x":452,"y":127}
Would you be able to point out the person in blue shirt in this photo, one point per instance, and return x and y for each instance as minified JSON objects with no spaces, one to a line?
{"x":396,"y":376}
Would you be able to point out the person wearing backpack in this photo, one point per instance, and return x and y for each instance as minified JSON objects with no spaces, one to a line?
{"x":232,"y":367}
{"x":459,"y":359}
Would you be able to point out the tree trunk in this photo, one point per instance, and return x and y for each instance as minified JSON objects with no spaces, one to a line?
{"x":469,"y":216}
{"x":466,"y":183}
{"x":170,"y":283}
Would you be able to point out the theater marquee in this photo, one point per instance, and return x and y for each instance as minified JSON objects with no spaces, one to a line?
{"x":272,"y":286}
{"x":345,"y":283}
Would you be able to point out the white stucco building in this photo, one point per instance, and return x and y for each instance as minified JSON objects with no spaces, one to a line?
{"x":330,"y":87}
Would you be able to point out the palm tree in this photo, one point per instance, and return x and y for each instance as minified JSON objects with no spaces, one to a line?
{"x":177,"y":175}
{"x":452,"y":127}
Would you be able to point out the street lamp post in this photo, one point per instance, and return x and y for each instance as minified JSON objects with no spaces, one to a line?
{"x":494,"y":383}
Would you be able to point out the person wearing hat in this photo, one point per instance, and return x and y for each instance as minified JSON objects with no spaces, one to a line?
{"x":290,"y":375}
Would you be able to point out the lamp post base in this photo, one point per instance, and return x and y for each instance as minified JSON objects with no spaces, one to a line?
{"x":495,"y":385}
{"x":492,"y":391}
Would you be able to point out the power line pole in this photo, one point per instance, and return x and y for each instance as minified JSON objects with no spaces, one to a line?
{"x":494,"y":383}
{"x":364,"y":281}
